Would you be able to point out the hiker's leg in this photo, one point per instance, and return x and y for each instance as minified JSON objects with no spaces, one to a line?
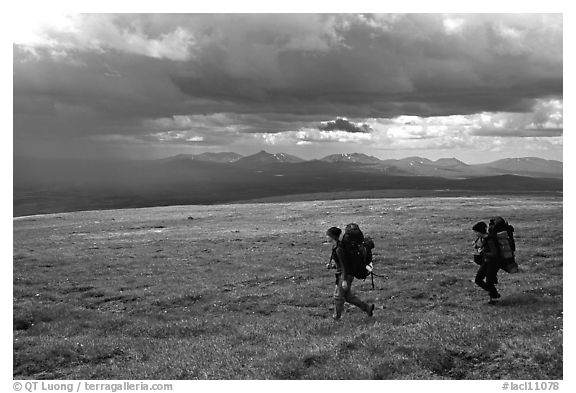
{"x":491,"y":273}
{"x":352,"y":298}
{"x":480,"y":275}
{"x":338,"y":300}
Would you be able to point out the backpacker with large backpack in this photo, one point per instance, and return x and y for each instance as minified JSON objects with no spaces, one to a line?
{"x":358,"y":251}
{"x":503,"y":235}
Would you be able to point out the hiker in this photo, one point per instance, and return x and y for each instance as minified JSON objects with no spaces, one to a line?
{"x":498,"y":249}
{"x":488,"y":266}
{"x":344,"y":277}
{"x":480,"y":229}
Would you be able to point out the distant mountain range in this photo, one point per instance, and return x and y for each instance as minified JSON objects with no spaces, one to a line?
{"x":47,"y":186}
{"x":410,"y":166}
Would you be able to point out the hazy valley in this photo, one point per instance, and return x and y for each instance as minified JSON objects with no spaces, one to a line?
{"x":47,"y":186}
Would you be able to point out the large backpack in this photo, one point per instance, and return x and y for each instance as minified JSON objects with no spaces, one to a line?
{"x":358,"y":251}
{"x":504,"y":239}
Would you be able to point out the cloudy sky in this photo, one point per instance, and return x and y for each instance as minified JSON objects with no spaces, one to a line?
{"x":477,"y":87}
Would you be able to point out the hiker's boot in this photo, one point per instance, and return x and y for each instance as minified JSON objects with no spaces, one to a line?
{"x":338,"y":309}
{"x":494,"y":298}
{"x":370,"y":310}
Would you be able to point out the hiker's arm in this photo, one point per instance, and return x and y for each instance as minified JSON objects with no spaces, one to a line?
{"x":494,"y":250}
{"x":342,"y":260}
{"x":511,"y":236}
{"x":488,"y":247}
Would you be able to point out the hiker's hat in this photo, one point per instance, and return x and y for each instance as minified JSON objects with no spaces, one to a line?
{"x":480,"y":227}
{"x":334,"y":232}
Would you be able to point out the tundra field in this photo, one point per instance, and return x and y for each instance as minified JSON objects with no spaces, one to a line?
{"x":242,"y":292}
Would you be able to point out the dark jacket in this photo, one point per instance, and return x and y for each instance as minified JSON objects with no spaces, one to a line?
{"x":339,"y":257}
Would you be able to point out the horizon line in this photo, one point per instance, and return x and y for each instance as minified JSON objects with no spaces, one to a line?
{"x":261,"y":150}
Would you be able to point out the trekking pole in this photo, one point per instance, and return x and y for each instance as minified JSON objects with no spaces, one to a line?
{"x":372,"y":274}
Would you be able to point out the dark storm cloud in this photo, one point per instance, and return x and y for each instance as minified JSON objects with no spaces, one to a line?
{"x":114,"y":74}
{"x":344,"y":125}
{"x":111,"y":84}
{"x":350,"y":65}
{"x":385,"y":68}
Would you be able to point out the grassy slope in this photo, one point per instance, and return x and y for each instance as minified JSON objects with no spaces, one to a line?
{"x":240,"y":291}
